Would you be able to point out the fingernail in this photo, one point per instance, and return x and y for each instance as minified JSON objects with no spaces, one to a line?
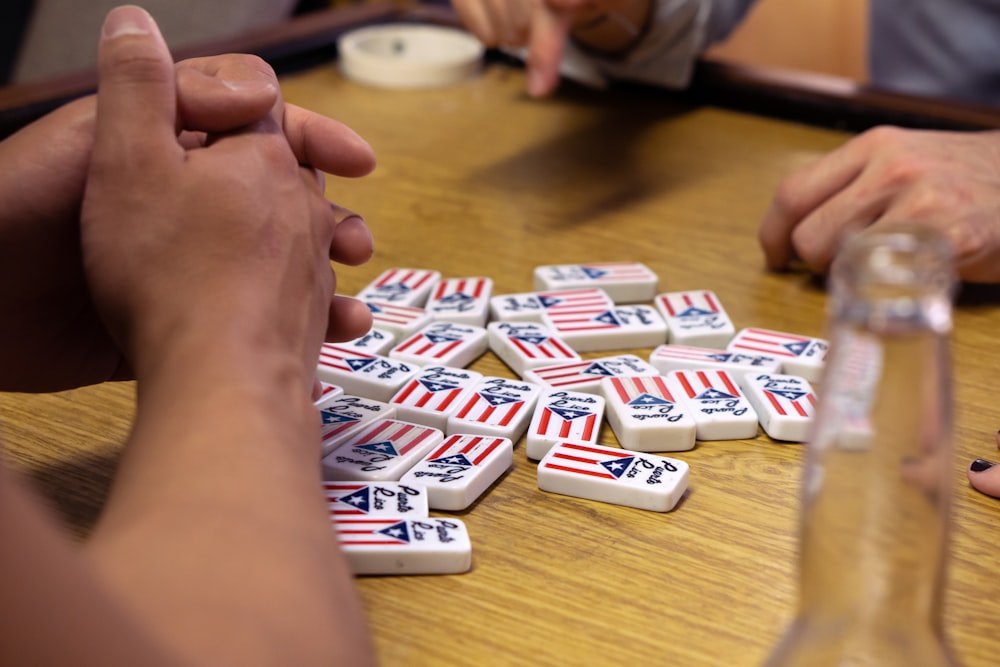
{"x":127,"y":20}
{"x":242,"y":85}
{"x":980,"y":465}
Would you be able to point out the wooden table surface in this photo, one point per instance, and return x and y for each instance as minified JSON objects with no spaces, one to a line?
{"x":477,"y":179}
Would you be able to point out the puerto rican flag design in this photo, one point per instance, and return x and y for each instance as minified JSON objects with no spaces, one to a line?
{"x":689,"y":304}
{"x":625,"y":282}
{"x":566,"y":320}
{"x":397,"y":318}
{"x":399,"y":533}
{"x":345,"y":414}
{"x":787,"y":395}
{"x":347,"y":499}
{"x":573,"y":298}
{"x":430,"y":394}
{"x":560,"y":416}
{"x":530,"y":305}
{"x":602,"y":272}
{"x":533,"y":341}
{"x":707,"y":385}
{"x":344,"y":359}
{"x":589,"y":372}
{"x":408,"y":287}
{"x":542,"y":347}
{"x":488,"y":408}
{"x":710,"y":357}
{"x":498,"y":402}
{"x":589,"y":460}
{"x":789,"y":402}
{"x":465,"y":451}
{"x":334,"y":423}
{"x":611,"y":475}
{"x":642,"y":391}
{"x":328,"y":391}
{"x":432,"y":345}
{"x":777,"y":344}
{"x":390,"y":438}
{"x":460,"y":295}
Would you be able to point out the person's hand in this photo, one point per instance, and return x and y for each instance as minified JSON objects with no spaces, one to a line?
{"x":948,"y":180}
{"x":52,"y":338}
{"x":195,"y":253}
{"x":544,"y":27}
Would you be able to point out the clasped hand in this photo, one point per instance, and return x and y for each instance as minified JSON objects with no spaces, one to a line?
{"x":203,"y":188}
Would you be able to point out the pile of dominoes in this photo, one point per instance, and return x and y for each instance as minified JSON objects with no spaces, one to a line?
{"x":408,"y":428}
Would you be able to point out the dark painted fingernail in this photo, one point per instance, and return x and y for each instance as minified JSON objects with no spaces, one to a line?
{"x":980,"y":465}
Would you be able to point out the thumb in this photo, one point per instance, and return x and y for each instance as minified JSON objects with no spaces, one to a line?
{"x":549,"y":33}
{"x":136,"y":90}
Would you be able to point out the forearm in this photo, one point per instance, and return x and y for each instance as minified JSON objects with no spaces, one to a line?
{"x":216,"y":531}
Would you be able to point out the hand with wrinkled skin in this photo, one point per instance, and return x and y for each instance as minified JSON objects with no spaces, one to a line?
{"x":947,"y":180}
{"x":57,"y":341}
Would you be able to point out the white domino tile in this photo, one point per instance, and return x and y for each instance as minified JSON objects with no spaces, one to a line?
{"x":443,"y":343}
{"x":586,"y":375}
{"x":526,"y":345}
{"x":695,"y":318}
{"x":376,"y":499}
{"x":434,"y":394}
{"x":529,"y":306}
{"x":601,"y":329}
{"x":671,"y":357}
{"x":401,"y":287}
{"x":785,"y":404}
{"x":799,"y":355}
{"x":327,"y":392}
{"x":719,"y":408}
{"x":461,"y":300}
{"x":646,"y":416}
{"x":612,"y":475}
{"x":345,"y":414}
{"x":624,"y":282}
{"x":376,"y":341}
{"x":388,"y":545}
{"x":461,"y":469}
{"x":381,"y":451}
{"x":363,"y":374}
{"x":563,"y":415}
{"x":496,"y":406}
{"x":398,"y":320}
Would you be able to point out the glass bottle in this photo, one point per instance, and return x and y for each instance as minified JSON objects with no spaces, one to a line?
{"x":876,"y":488}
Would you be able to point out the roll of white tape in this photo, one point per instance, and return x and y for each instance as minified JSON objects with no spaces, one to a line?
{"x":409,"y":55}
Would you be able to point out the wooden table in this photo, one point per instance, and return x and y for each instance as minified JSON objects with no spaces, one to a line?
{"x":477,"y":179}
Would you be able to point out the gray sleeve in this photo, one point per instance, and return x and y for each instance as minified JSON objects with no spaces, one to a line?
{"x":680,"y":31}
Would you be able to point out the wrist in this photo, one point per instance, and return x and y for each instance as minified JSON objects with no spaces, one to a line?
{"x":613,"y":32}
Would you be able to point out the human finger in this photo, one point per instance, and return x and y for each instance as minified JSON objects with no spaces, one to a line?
{"x":477,"y":19}
{"x":350,"y":318}
{"x":509,"y":20}
{"x":224,"y":92}
{"x":352,"y":240}
{"x":327,"y":144}
{"x":801,"y":194}
{"x":136,"y":93}
{"x":984,"y":476}
{"x":548,"y":35}
{"x":817,"y":238}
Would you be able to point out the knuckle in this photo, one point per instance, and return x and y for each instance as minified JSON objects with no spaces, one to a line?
{"x":139,"y":65}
